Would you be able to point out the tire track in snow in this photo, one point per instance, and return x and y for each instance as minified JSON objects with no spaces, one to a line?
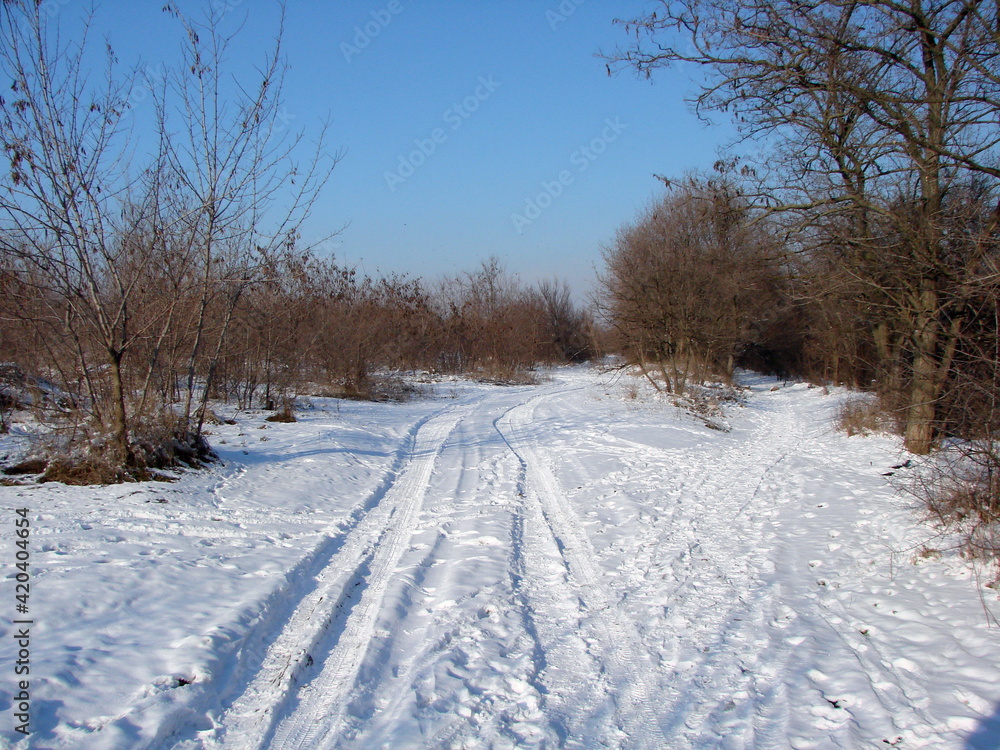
{"x":452,"y":666}
{"x":551,"y":613}
{"x":712,"y":538}
{"x":391,"y":676}
{"x":358,"y":572}
{"x":624,"y":660}
{"x":319,"y":705}
{"x":261,"y":626}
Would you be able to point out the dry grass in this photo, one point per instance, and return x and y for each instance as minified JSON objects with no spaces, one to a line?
{"x":387,"y":386}
{"x":286,"y":415}
{"x":961,"y":492}
{"x":866,"y":414}
{"x":85,"y":471}
{"x":81,"y":453}
{"x":505,"y":374}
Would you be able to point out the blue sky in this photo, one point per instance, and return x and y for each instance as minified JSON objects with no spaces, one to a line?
{"x":468,"y":129}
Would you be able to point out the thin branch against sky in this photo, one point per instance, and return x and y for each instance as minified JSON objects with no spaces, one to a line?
{"x":467,"y":131}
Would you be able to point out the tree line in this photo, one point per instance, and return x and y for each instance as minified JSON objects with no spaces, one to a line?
{"x":148,"y":268}
{"x":861,"y":246}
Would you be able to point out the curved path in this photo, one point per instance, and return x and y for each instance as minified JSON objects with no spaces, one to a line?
{"x":545,"y":568}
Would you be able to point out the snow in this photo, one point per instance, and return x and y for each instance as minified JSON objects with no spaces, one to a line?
{"x":578,"y":564}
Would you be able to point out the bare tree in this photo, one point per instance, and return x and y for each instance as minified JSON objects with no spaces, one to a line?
{"x":568,"y":328}
{"x":686,"y":284}
{"x":879,"y":110}
{"x":122,"y":267}
{"x":244,"y":192}
{"x":494,"y":324}
{"x":65,"y":206}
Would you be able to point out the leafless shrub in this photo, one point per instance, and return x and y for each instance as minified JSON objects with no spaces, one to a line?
{"x":866,"y":414}
{"x":79,"y":452}
{"x":707,"y":403}
{"x":213,"y":418}
{"x":568,"y":328}
{"x":167,"y":444}
{"x":691,"y":284}
{"x":493,"y":327}
{"x":121,"y":273}
{"x":960,"y":487}
{"x":505,"y":374}
{"x":726,"y":393}
{"x":393,"y":387}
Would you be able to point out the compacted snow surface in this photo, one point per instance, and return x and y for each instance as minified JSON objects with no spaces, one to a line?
{"x":578,"y":564}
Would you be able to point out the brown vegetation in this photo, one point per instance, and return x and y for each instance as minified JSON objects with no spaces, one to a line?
{"x":694,"y":286}
{"x":878,"y":169}
{"x":137,"y":288}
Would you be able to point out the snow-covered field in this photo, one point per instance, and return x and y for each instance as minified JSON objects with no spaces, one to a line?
{"x":576,"y":564}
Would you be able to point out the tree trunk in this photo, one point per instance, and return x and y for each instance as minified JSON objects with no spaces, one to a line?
{"x":119,"y":415}
{"x":667,"y":386}
{"x":925,"y":389}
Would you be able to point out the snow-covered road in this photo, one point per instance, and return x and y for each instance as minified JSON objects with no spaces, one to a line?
{"x":572,"y":565}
